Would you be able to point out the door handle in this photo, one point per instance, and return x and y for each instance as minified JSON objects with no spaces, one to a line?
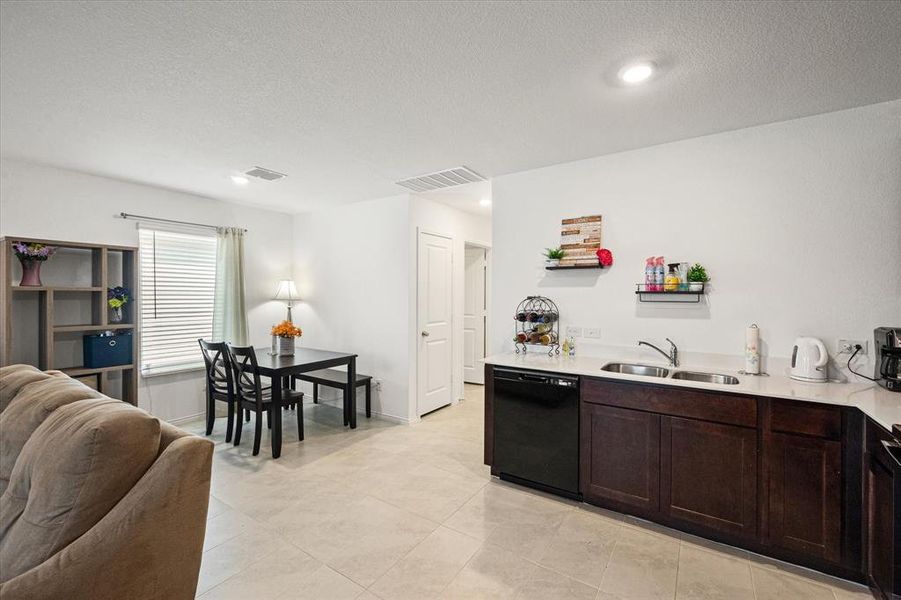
{"x":424,"y":334}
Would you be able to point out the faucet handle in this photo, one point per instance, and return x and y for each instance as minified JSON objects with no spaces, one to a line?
{"x":671,"y":342}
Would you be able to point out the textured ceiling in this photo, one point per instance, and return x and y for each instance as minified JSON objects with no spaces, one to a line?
{"x":346,"y":98}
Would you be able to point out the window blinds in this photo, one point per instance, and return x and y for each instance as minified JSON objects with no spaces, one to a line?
{"x":178,"y":280}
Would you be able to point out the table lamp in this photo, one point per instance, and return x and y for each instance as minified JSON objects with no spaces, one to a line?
{"x":287,"y":292}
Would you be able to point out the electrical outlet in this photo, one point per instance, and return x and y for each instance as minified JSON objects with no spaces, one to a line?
{"x":847,"y":346}
{"x":573,"y":331}
{"x":593,"y":333}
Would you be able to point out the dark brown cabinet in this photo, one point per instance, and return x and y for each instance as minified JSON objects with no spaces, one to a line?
{"x":772,"y":475}
{"x":880,"y":545}
{"x":620,"y":457}
{"x":805,"y":495}
{"x":709,"y":475}
{"x":883,"y":490}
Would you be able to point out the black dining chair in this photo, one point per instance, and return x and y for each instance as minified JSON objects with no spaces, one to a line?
{"x":219,"y":384}
{"x":254,"y":397}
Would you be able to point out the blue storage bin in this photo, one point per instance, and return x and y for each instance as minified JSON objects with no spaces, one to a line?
{"x":107,"y":350}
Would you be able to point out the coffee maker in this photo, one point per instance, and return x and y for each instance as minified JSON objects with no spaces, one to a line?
{"x":888,"y":357}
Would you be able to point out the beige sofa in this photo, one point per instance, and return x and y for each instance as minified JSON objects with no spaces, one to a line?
{"x":99,"y":499}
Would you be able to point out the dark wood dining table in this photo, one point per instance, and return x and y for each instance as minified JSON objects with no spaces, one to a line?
{"x":280,"y":368}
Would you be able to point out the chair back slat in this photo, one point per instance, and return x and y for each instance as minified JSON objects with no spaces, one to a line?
{"x":246,"y":373}
{"x":218,"y":367}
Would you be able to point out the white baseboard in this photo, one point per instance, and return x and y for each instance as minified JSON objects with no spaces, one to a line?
{"x":186,"y":419}
{"x":361,"y":409}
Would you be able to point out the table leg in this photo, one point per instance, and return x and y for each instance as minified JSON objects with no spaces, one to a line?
{"x":369,"y":399}
{"x":276,"y":435}
{"x":352,"y":391}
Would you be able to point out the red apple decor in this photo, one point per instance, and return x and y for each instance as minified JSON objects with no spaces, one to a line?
{"x":605,"y":257}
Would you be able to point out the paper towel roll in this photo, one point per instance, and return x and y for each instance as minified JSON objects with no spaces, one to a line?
{"x":752,"y":350}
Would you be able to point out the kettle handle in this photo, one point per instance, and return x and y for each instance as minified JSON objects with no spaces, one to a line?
{"x":824,"y":356}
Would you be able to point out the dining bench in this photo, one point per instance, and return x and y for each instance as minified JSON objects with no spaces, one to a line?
{"x":337,"y":379}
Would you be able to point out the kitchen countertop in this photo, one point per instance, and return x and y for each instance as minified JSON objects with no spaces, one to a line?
{"x":881,"y":405}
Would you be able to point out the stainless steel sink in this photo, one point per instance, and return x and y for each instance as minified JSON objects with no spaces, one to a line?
{"x":706,"y":377}
{"x":630,"y":369}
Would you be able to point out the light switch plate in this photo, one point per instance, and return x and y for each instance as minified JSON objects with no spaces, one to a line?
{"x":593,"y":333}
{"x":573,"y":331}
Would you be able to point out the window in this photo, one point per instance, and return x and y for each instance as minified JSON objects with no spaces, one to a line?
{"x":178,"y":280}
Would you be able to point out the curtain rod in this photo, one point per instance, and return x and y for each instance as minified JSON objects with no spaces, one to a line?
{"x":125,"y":215}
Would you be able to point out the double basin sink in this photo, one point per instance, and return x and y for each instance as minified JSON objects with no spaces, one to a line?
{"x":651,"y":371}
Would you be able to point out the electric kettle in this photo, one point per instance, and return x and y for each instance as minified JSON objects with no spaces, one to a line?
{"x":809,"y":358}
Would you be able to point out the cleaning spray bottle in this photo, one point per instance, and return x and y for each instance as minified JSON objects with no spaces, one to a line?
{"x":649,"y":274}
{"x":659,"y":274}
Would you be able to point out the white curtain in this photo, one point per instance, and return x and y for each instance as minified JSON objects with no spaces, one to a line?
{"x":229,"y":309}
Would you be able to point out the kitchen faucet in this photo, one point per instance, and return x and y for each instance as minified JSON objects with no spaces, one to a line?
{"x":672,"y":356}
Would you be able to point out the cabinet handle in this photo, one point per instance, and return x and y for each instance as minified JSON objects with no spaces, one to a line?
{"x":890,"y":449}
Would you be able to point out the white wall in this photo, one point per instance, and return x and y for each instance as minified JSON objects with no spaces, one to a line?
{"x":46,"y":202}
{"x":351,"y":268}
{"x":355,"y":267}
{"x":799,"y":224}
{"x":433,"y":217}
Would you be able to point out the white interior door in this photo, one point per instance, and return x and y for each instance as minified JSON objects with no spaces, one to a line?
{"x":435,"y":315}
{"x":474,"y":315}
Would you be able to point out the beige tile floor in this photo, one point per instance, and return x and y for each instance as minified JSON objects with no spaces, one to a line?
{"x":394,"y":512}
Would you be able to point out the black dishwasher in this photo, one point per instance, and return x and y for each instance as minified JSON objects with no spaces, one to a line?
{"x":536,"y":430}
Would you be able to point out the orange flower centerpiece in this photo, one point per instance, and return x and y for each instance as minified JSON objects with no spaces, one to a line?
{"x":284,"y":333}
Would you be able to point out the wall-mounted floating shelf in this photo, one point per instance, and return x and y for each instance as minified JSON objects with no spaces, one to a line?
{"x":659,"y":295}
{"x":570,"y":267}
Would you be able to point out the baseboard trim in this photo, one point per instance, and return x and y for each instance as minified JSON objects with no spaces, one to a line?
{"x":186,"y":419}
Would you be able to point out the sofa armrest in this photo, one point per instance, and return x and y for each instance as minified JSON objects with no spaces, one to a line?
{"x":148,"y":546}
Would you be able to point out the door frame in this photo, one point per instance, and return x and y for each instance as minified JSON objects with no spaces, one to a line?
{"x":487,"y":249}
{"x":418,"y":328}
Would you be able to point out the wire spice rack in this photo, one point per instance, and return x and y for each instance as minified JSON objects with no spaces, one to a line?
{"x":537,"y":324}
{"x":649,"y":292}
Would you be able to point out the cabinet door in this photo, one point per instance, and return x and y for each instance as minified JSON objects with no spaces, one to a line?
{"x":709,"y":475}
{"x":620,"y":457}
{"x":805,"y":495}
{"x":880,"y":541}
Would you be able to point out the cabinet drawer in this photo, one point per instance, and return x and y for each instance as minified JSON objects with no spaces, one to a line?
{"x":805,"y":418}
{"x":674,"y":401}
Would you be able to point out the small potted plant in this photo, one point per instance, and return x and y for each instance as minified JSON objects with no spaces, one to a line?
{"x":697,"y":277}
{"x":116,"y":298}
{"x":552,"y":256}
{"x":285,"y":332}
{"x":31,"y":255}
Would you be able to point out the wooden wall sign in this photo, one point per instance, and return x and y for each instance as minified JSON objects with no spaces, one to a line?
{"x":580,"y":238}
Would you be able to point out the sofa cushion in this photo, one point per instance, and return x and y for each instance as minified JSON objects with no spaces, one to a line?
{"x":14,"y":377}
{"x":28,"y":410}
{"x":73,"y":469}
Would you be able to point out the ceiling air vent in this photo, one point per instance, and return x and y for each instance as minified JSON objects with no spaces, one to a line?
{"x":441,"y":179}
{"x":267,"y":174}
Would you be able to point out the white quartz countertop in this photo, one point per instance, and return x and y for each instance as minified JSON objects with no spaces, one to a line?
{"x":881,"y":405}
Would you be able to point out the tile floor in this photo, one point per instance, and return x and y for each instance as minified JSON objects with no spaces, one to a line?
{"x":393,"y":512}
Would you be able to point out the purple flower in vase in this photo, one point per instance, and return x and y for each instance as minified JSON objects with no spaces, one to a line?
{"x":32,"y":251}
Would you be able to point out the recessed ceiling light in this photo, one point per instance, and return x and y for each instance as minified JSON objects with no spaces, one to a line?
{"x":636,"y":73}
{"x":485,"y":202}
{"x":239,"y":180}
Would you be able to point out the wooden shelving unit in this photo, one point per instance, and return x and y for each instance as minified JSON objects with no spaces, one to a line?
{"x":106,"y":266}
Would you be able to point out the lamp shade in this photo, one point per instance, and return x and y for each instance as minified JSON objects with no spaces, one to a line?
{"x":287,"y":291}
